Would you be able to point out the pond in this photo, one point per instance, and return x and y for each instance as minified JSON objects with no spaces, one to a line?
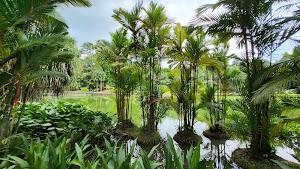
{"x":216,"y":150}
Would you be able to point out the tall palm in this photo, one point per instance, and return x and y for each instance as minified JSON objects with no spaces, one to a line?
{"x":197,"y":55}
{"x":116,"y":53}
{"x":248,"y":21}
{"x":155,"y":34}
{"x":179,"y":86}
{"x":132,"y":22}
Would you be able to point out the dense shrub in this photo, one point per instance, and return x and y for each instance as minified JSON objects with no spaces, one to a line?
{"x":43,"y":118}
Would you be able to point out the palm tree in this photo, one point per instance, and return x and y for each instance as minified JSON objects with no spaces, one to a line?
{"x":35,"y":65}
{"x":155,"y":34}
{"x":187,"y":54}
{"x":179,"y":87}
{"x":19,"y":16}
{"x":283,"y":75}
{"x":132,"y":22}
{"x":116,"y":53}
{"x":250,"y":22}
{"x":23,"y":39}
{"x":197,"y":55}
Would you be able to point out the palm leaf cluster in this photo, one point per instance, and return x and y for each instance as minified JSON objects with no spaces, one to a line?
{"x":35,"y":52}
{"x":259,"y":32}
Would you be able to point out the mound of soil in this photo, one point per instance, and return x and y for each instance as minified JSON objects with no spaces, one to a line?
{"x":147,"y":138}
{"x":125,"y":130}
{"x":244,"y":159}
{"x":216,"y":134}
{"x":187,"y":137}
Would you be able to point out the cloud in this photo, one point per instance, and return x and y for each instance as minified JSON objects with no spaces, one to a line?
{"x":94,"y":23}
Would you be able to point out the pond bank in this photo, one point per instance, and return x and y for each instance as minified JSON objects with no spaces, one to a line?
{"x":242,"y":157}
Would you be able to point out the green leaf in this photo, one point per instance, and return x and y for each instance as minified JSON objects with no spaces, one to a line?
{"x":280,"y":164}
{"x":152,"y":151}
{"x":22,"y":163}
{"x":79,"y":154}
{"x":47,"y":124}
{"x":196,"y":156}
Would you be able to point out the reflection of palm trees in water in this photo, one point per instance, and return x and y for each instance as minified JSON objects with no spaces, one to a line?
{"x":217,"y":153}
{"x":158,"y":154}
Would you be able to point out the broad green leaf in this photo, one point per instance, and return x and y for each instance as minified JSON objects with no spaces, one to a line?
{"x":22,"y":163}
{"x":281,"y":165}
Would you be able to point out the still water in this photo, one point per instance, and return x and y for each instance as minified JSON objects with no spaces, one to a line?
{"x":216,"y":150}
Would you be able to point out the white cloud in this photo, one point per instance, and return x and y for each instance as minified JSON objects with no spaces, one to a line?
{"x":94,"y":23}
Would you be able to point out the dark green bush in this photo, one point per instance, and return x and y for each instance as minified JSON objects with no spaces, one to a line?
{"x":46,"y":118}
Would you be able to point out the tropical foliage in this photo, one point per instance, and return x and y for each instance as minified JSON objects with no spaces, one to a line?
{"x":38,"y":58}
{"x":58,"y":154}
{"x":62,"y":118}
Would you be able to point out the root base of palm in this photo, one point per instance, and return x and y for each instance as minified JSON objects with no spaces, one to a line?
{"x":216,"y":134}
{"x":146,"y":137}
{"x":187,"y":137}
{"x":244,"y":158}
{"x":125,"y":130}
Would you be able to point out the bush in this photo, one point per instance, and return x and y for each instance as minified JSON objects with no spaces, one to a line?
{"x":43,"y":118}
{"x":84,"y":89}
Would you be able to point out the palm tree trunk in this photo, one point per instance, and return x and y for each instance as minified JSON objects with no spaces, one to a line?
{"x":195,"y":91}
{"x":152,"y":104}
{"x":6,"y":114}
{"x":22,"y":109}
{"x":247,"y":61}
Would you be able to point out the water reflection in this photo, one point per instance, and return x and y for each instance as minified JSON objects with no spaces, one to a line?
{"x":216,"y":150}
{"x":219,"y":151}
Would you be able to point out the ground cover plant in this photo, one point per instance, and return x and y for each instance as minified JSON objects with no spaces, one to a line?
{"x":49,"y":154}
{"x":62,"y":118}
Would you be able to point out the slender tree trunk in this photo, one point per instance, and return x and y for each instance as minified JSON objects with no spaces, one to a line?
{"x":206,"y":72}
{"x":7,"y":110}
{"x":253,"y":55}
{"x":247,"y":62}
{"x":22,"y":109}
{"x":195,"y":91}
{"x":152,"y":103}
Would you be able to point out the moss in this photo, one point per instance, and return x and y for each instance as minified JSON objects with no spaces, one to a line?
{"x":187,"y":137}
{"x":216,"y":134}
{"x":125,"y":130}
{"x":146,"y":137}
{"x":243,"y":158}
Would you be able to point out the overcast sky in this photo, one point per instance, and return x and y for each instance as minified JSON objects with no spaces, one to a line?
{"x":94,"y":23}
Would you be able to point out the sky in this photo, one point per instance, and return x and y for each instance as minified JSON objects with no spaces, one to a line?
{"x":95,"y":23}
